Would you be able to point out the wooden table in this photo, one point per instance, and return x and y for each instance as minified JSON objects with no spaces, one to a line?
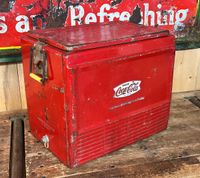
{"x":174,"y":153}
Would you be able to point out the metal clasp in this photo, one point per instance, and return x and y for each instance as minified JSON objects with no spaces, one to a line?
{"x":38,"y":63}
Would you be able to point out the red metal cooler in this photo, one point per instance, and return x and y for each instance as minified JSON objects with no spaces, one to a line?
{"x":93,"y":89}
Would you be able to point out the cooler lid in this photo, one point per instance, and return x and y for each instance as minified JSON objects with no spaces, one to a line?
{"x":96,"y":35}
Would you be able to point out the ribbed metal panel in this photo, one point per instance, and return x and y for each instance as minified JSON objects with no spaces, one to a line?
{"x":120,"y":133}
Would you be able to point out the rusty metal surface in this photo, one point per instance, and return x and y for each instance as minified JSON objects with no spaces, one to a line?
{"x":5,"y":132}
{"x":84,"y":37}
{"x":17,"y":167}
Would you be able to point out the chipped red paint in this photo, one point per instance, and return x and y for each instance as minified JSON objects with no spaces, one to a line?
{"x":25,"y":15}
{"x":74,"y":103}
{"x":169,"y":14}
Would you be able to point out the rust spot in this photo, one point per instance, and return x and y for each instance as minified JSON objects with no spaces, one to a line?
{"x":60,"y":89}
{"x":73,"y":137}
{"x":29,"y":7}
{"x":136,"y":15}
{"x":90,"y":1}
{"x":66,"y":108}
{"x":5,"y":5}
{"x":57,"y":15}
{"x":46,"y":114}
{"x":115,"y":2}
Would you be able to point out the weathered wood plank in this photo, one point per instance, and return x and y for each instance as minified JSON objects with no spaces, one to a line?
{"x":21,"y":86}
{"x":186,"y":71}
{"x":9,"y":89}
{"x":2,"y":95}
{"x":5,"y":141}
{"x":4,"y":145}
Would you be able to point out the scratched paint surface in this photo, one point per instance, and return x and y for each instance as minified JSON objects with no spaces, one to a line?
{"x":181,"y":17}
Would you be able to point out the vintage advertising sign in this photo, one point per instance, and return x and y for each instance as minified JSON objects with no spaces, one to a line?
{"x":19,"y":16}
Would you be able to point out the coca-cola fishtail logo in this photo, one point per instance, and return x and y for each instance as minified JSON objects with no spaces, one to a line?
{"x":127,"y":89}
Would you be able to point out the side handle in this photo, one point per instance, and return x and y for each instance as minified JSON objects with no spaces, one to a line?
{"x":38,"y":65}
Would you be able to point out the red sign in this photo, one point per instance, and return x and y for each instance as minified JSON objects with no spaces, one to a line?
{"x":19,"y":16}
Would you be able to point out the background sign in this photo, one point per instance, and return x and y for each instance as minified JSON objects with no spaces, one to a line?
{"x":181,"y":17}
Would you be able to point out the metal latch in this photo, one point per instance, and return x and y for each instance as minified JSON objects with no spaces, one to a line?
{"x":38,"y":63}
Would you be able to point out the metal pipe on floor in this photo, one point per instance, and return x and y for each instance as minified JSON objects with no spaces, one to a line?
{"x":17,"y":168}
